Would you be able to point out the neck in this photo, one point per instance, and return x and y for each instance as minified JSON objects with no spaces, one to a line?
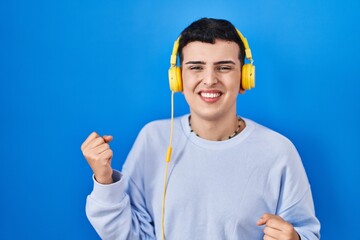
{"x":216,"y":129}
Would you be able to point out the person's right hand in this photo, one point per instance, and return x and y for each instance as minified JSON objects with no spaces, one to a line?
{"x":98,"y":154}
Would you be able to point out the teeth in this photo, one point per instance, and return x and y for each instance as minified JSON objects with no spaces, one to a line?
{"x":210,"y":95}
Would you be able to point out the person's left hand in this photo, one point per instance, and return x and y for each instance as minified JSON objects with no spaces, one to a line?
{"x":277,"y":228}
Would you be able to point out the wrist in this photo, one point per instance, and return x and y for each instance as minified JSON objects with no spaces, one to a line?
{"x":104,"y":179}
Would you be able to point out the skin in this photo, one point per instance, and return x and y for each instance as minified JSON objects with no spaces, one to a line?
{"x":211,"y":76}
{"x":277,"y":228}
{"x":212,"y":68}
{"x":98,"y":154}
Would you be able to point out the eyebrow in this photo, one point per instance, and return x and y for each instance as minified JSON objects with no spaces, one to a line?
{"x":225,"y":62}
{"x":216,"y":63}
{"x":195,"y":62}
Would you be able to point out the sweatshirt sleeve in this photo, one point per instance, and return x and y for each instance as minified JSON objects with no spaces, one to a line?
{"x":306,"y":224}
{"x":109,"y":211}
{"x":296,"y":203}
{"x":118,"y":210}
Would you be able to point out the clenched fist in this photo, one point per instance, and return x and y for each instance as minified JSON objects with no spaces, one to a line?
{"x":277,"y":228}
{"x":98,"y":154}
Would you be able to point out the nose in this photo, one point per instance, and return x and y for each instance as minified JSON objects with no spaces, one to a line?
{"x":210,"y":78}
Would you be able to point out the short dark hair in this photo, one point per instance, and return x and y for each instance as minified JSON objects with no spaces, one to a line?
{"x":208,"y":30}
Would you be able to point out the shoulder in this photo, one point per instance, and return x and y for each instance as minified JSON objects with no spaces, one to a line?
{"x":156,"y":124}
{"x":161,"y":127}
{"x":269,"y":138}
{"x":275,"y":152}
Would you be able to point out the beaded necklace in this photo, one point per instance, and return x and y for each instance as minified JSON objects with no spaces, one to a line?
{"x":236,"y":132}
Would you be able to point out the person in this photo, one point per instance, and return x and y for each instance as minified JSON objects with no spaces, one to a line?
{"x":228,"y":178}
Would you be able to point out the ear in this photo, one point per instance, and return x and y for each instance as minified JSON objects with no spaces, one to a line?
{"x":241,"y":90}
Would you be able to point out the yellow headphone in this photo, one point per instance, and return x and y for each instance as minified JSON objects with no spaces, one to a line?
{"x":247,"y":71}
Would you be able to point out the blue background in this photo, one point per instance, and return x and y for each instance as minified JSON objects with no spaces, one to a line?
{"x":71,"y":67}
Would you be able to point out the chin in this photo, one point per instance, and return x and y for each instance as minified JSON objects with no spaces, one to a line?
{"x":208,"y":114}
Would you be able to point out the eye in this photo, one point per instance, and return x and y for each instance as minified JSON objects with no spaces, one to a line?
{"x":196,"y":68}
{"x":224,"y":68}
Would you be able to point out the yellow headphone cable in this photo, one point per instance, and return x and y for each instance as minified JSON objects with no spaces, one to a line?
{"x":168,"y":157}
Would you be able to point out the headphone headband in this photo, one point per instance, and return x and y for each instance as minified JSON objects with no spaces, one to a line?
{"x":248,"y":54}
{"x":175,"y":52}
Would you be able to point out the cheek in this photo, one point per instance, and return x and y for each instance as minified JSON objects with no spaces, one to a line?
{"x":235,"y":82}
{"x":236,"y":86}
{"x":188,"y":92}
{"x":189,"y":95}
{"x":189,"y":88}
{"x":189,"y":81}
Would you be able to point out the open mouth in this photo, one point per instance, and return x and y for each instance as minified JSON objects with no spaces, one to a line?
{"x":210,"y":95}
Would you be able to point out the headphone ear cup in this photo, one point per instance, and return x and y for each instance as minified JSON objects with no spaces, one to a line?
{"x":248,"y":76}
{"x":175,"y":79}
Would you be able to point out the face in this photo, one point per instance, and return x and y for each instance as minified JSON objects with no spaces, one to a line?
{"x":211,"y":78}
